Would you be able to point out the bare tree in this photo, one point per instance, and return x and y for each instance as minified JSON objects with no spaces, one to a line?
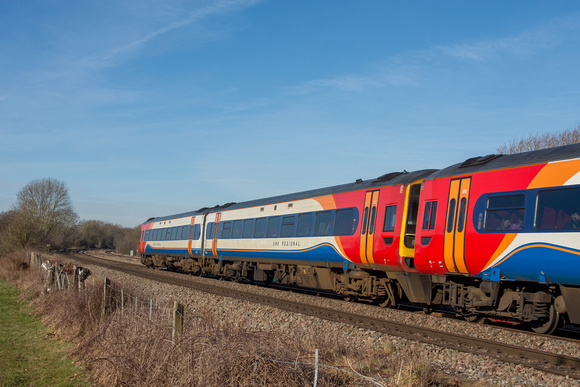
{"x":97,"y":234}
{"x":541,"y":141}
{"x":43,"y":214}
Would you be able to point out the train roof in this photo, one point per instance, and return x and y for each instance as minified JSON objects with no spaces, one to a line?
{"x":389,"y":179}
{"x":497,"y":161}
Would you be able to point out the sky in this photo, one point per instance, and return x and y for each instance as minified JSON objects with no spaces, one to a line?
{"x":149,"y":108}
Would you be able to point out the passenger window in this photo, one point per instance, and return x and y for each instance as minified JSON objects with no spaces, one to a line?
{"x":197,"y":232}
{"x":226,"y":230}
{"x":237,"y":229}
{"x":390,"y":216}
{"x":209,"y":231}
{"x":248,"y":227}
{"x":287,"y":227}
{"x":174,"y":233}
{"x":260,"y":230}
{"x":304,"y":225}
{"x":558,"y":209}
{"x":273,"y":226}
{"x":322,"y":225}
{"x":505,"y":213}
{"x":344,"y":222}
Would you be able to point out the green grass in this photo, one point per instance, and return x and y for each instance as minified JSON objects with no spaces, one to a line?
{"x":28,"y":354}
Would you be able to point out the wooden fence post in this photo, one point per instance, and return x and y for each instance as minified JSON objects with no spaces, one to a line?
{"x":107,"y":297}
{"x":49,"y":278}
{"x":177,"y":320}
{"x":315,"y":367}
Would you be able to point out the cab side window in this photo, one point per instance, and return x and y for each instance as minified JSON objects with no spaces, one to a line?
{"x":390,"y":217}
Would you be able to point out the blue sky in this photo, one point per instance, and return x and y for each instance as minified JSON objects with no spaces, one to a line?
{"x":147,"y":108}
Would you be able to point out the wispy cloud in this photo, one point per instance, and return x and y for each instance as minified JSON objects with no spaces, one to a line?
{"x":345,"y":83}
{"x":396,"y":72}
{"x":524,"y":44}
{"x":407,"y":69}
{"x":217,"y":8}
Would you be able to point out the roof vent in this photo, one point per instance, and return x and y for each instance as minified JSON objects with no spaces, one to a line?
{"x":390,"y":176}
{"x":480,"y":160}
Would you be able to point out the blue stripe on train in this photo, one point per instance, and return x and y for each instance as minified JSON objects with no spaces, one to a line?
{"x":542,"y":262}
{"x":183,"y":252}
{"x":323,"y":252}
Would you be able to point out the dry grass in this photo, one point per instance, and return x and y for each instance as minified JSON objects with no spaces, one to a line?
{"x":128,"y":349}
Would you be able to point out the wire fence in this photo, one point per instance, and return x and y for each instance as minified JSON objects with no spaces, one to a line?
{"x":66,"y":277}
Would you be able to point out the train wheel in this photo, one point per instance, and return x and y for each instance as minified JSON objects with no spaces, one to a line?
{"x":385,"y":302}
{"x":549,"y":326}
{"x":474,"y":317}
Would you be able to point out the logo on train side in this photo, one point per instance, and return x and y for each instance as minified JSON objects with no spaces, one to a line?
{"x":286,"y":244}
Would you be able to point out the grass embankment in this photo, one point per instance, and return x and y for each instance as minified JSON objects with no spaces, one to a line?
{"x":28,"y":356}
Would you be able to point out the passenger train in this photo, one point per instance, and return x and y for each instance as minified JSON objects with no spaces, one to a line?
{"x":494,"y":236}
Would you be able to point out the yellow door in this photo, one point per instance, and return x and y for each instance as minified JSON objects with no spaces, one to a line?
{"x":216,"y":228}
{"x":189,"y":241}
{"x":367,"y":231}
{"x":457,"y":216}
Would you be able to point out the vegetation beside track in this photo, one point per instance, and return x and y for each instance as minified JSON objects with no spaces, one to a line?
{"x":133,"y":349}
{"x":29,"y":354}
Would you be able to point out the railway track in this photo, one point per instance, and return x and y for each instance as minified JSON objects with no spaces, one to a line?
{"x":549,"y":362}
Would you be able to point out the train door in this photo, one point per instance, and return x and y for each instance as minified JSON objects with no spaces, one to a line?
{"x":367,"y":231}
{"x":409,"y":224}
{"x":190,"y":240}
{"x":454,"y":239}
{"x":216,"y":228}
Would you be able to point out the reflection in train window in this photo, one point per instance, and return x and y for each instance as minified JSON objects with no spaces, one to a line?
{"x":287,"y":227}
{"x":237,"y":229}
{"x":248,"y":228}
{"x":558,"y":209}
{"x":260,"y":229}
{"x":273,"y":227}
{"x":304,"y":224}
{"x":322,"y":225}
{"x":344,"y":222}
{"x":226,"y":230}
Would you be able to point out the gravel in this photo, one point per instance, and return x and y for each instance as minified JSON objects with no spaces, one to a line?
{"x":474,"y":369}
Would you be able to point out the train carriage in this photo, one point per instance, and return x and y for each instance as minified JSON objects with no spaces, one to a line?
{"x":503,"y":238}
{"x":493,"y":236}
{"x":343,"y":238}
